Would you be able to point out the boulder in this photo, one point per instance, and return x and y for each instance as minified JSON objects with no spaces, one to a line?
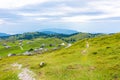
{"x":62,"y":44}
{"x":10,"y":54}
{"x":55,"y":48}
{"x":41,"y":49}
{"x":27,"y":53}
{"x":69,"y":45}
{"x":7,"y":47}
{"x":43,"y":45}
{"x":36,"y":50}
{"x":42,"y":64}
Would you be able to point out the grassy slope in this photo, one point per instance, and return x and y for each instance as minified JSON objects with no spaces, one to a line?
{"x":100,"y":62}
{"x":36,"y":43}
{"x":81,"y":36}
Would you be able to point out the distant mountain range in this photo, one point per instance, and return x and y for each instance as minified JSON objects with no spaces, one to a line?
{"x":64,"y":34}
{"x":59,"y":31}
{"x":4,"y":34}
{"x":49,"y":32}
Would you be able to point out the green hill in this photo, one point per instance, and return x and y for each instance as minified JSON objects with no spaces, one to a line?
{"x":81,"y":35}
{"x":21,"y":46}
{"x":89,"y":59}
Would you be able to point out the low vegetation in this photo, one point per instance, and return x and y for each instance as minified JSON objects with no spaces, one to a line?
{"x":88,"y":59}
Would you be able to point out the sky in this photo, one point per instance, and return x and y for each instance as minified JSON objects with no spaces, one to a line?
{"x":94,"y":16}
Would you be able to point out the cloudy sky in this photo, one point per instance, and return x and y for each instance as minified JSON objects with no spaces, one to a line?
{"x":17,"y":16}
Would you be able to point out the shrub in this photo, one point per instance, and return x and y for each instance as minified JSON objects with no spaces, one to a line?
{"x":95,"y":53}
{"x":30,"y":50}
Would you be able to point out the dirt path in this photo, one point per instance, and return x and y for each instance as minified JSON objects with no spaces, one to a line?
{"x":85,"y":51}
{"x":87,"y":45}
{"x":25,"y":73}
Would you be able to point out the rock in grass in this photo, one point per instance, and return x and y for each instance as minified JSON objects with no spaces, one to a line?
{"x":7,"y":47}
{"x":10,"y":54}
{"x":42,"y":64}
{"x":27,"y":53}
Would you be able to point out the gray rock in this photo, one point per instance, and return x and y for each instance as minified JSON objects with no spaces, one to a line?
{"x":69,"y":45}
{"x":41,"y":49}
{"x":36,"y":50}
{"x":42,"y":64}
{"x":10,"y":54}
{"x":27,"y":53}
{"x":7,"y":47}
{"x":55,"y":48}
{"x":43,"y":45}
{"x":62,"y":44}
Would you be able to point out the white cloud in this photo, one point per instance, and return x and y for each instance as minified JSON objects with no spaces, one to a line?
{"x":41,"y":14}
{"x":12,"y":4}
{"x":70,"y":13}
{"x":28,"y":14}
{"x":60,"y":10}
{"x":2,"y":21}
{"x":70,"y":9}
{"x":87,"y":18}
{"x":41,"y":19}
{"x":111,"y":6}
{"x":108,"y":9}
{"x":5,"y":21}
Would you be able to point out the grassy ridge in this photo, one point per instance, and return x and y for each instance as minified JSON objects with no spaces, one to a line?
{"x":101,"y":61}
{"x":80,"y":36}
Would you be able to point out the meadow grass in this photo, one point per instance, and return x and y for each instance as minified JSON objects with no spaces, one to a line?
{"x":100,"y":62}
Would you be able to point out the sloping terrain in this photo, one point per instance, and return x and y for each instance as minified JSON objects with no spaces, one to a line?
{"x":21,"y":46}
{"x":81,"y":35}
{"x":88,"y":59}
